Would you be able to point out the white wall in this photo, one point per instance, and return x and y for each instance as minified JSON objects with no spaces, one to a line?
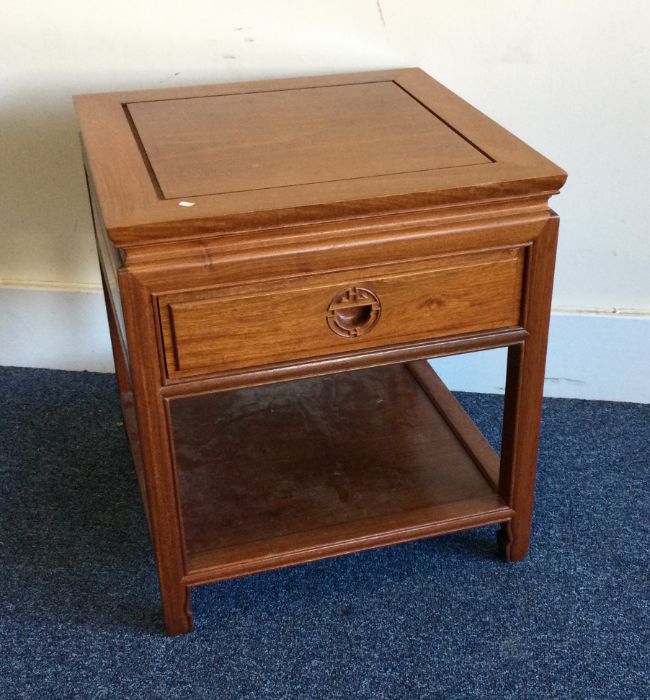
{"x":568,"y":77}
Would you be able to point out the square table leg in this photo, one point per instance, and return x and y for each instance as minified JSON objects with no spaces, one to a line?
{"x":523,"y":397}
{"x":154,"y":436}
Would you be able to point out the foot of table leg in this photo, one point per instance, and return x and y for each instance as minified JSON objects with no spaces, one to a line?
{"x":512,"y":544}
{"x":177,"y":610}
{"x":503,"y":541}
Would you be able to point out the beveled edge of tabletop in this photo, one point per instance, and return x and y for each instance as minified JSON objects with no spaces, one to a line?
{"x":134,"y":214}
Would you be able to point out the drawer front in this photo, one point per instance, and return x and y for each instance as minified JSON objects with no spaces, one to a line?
{"x":336,"y":313}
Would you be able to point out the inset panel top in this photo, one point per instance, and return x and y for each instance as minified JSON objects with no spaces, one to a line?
{"x":281,"y":138}
{"x":221,"y":159}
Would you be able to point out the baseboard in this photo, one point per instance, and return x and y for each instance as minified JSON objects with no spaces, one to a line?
{"x":598,"y":356}
{"x":54,"y":328}
{"x":591,"y":355}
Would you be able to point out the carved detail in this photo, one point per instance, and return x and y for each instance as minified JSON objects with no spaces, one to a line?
{"x":353,"y":312}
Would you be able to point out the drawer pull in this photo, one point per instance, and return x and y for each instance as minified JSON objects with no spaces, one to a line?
{"x":353,"y":312}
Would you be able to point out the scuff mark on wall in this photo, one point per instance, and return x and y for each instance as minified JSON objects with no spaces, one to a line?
{"x":169,"y":77}
{"x":564,"y":379}
{"x":381,"y":13}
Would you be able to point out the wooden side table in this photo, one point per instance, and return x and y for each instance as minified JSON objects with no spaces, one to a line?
{"x":279,"y":258}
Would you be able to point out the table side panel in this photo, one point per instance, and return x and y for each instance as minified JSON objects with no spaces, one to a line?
{"x":110,"y":262}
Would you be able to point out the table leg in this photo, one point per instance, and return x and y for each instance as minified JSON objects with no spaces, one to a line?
{"x":523,"y":397}
{"x":156,"y":451}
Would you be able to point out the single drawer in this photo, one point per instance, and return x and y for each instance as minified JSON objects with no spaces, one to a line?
{"x":342,"y":312}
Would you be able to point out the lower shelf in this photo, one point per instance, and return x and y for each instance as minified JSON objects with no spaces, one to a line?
{"x":282,"y":474}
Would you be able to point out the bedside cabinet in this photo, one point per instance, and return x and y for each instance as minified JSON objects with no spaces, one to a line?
{"x":279,"y":260}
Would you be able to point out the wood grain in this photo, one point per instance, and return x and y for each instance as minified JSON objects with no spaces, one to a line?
{"x":462,"y":426}
{"x":154,"y":438}
{"x":381,"y":465}
{"x":276,"y":322}
{"x":211,"y":145}
{"x":335,"y":540}
{"x":523,"y":398}
{"x":314,"y":367}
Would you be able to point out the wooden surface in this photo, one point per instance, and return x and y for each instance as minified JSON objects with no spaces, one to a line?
{"x":264,"y":155}
{"x":299,"y":470}
{"x":460,"y":424}
{"x":211,"y":145}
{"x":523,"y":399}
{"x":287,"y":321}
{"x":342,"y":223}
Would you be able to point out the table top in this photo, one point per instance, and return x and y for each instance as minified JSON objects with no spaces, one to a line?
{"x":188,"y":162}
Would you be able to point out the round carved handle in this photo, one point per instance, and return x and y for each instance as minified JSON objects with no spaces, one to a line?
{"x":353,"y":312}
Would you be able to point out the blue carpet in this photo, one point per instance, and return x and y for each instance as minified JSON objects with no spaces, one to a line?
{"x":440,"y":618}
